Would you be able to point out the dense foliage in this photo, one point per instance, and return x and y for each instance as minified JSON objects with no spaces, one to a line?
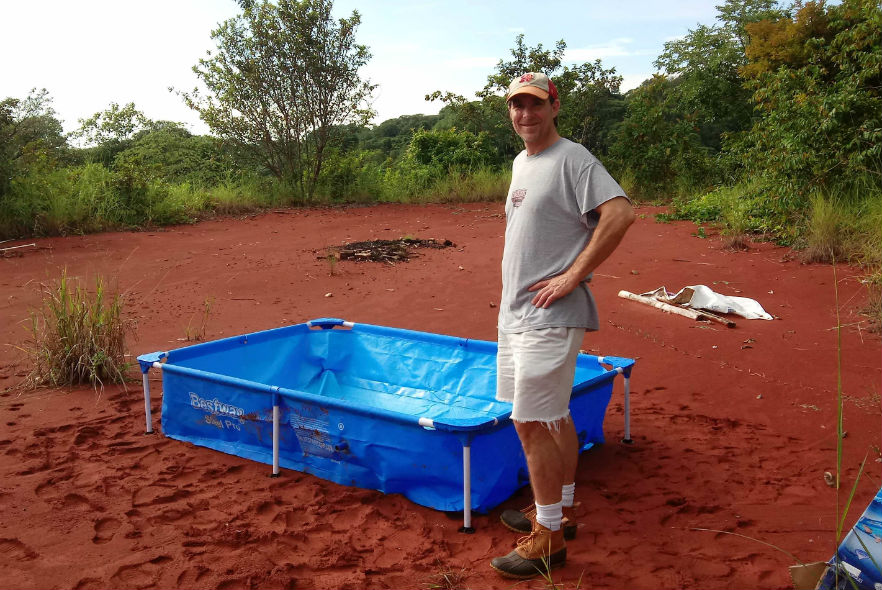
{"x":816,"y":82}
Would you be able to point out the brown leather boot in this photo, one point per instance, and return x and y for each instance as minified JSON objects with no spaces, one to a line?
{"x":536,"y":554}
{"x":521,"y":521}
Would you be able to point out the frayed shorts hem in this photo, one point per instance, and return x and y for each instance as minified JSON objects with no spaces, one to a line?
{"x":535,"y":373}
{"x":548,"y":423}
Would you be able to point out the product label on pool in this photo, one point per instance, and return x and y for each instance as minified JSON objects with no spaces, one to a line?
{"x":217,"y":409}
{"x":311,"y":426}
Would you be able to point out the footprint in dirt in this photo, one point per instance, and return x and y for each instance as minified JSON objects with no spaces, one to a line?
{"x":13,"y":549}
{"x":140,"y":575}
{"x":86,"y":434}
{"x":105,"y":528}
{"x":190,"y":576}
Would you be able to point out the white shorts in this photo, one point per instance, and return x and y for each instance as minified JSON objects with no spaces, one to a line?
{"x":535,"y":370}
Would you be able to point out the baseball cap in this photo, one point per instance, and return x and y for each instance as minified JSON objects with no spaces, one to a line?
{"x":535,"y":83}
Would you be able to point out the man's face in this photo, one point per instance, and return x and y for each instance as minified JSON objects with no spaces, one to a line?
{"x":533,"y":118}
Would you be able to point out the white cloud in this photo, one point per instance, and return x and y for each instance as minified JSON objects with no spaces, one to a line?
{"x":615,"y":48}
{"x":632,"y":81}
{"x":484,"y":63}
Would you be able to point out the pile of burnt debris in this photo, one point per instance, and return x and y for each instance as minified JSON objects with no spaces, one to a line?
{"x":390,"y":251}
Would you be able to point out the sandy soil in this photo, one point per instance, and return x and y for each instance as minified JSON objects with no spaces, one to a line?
{"x":733,"y":428}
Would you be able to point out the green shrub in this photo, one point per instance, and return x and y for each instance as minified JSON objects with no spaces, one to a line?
{"x":96,"y":205}
{"x":352,"y":177}
{"x":78,"y":337}
{"x":825,"y":231}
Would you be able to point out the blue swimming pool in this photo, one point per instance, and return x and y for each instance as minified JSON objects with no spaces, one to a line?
{"x":389,"y":409}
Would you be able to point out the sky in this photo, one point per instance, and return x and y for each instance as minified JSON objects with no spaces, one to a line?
{"x":92,"y":53}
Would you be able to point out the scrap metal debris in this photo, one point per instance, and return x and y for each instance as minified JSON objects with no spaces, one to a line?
{"x":389,"y":251}
{"x":7,"y":252}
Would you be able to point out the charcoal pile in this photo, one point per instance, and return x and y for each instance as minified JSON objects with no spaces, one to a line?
{"x":390,"y":251}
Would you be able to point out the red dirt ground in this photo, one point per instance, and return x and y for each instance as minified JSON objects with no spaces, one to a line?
{"x":733,"y":428}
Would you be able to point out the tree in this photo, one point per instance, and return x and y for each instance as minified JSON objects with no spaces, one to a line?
{"x":736,"y":15}
{"x":169,"y":152}
{"x":391,"y":137}
{"x":591,"y":104}
{"x":109,"y":132}
{"x":283,"y":78}
{"x":524,"y":59}
{"x":487,"y":116}
{"x":816,"y":80}
{"x":705,"y":66}
{"x":114,"y":124}
{"x":589,"y":94}
{"x":30,"y":134}
{"x":449,"y":150}
{"x":657,"y":143}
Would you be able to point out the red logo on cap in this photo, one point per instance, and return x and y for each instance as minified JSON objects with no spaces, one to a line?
{"x":526,"y":78}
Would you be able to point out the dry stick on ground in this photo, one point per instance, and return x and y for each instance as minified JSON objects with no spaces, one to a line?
{"x":689,"y":313}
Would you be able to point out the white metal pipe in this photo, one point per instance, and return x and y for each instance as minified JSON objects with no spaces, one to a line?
{"x":276,"y":440}
{"x":147,"y":403}
{"x":627,"y":438}
{"x":467,"y":488}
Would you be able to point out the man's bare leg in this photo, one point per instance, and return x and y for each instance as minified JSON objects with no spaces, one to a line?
{"x":545,"y":461}
{"x":568,"y":443}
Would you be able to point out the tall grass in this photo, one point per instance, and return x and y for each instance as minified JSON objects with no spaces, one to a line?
{"x":848,"y":226}
{"x":825,"y":231}
{"x":868,"y":242}
{"x":93,"y":198}
{"x":425,"y":185}
{"x":77,"y":337}
{"x":484,"y":184}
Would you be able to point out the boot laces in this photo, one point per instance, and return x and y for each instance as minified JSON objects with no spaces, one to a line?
{"x":528,"y":541}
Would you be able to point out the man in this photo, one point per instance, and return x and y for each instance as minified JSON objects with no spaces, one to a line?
{"x":564,"y":216}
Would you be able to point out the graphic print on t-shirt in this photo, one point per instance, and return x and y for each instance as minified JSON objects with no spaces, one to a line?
{"x":518,"y":196}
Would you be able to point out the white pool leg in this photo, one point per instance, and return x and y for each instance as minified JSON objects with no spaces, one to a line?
{"x":467,"y":490}
{"x":275,"y":436}
{"x":147,"y":404}
{"x":627,"y":439}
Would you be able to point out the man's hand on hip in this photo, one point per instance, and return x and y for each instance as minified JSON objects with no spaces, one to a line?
{"x":550,"y":290}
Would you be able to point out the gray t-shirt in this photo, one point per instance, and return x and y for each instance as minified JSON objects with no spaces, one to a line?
{"x":549,"y":221}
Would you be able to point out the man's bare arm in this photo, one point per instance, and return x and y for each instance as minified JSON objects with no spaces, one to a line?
{"x":616,"y":216}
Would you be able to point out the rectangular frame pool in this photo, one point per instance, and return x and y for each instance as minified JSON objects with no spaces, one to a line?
{"x":389,"y":409}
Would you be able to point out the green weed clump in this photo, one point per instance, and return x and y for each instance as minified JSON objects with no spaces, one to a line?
{"x":873,"y":307}
{"x":78,"y":337}
{"x":824,"y":231}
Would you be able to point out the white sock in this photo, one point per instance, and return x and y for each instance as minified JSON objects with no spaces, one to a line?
{"x":549,"y":516}
{"x":568,"y":495}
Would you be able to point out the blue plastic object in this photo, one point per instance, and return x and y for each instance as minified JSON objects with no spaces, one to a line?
{"x":368,"y":406}
{"x":859,"y":556}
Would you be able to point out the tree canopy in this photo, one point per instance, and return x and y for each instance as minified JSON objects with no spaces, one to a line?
{"x":283,"y":76}
{"x":30,"y":135}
